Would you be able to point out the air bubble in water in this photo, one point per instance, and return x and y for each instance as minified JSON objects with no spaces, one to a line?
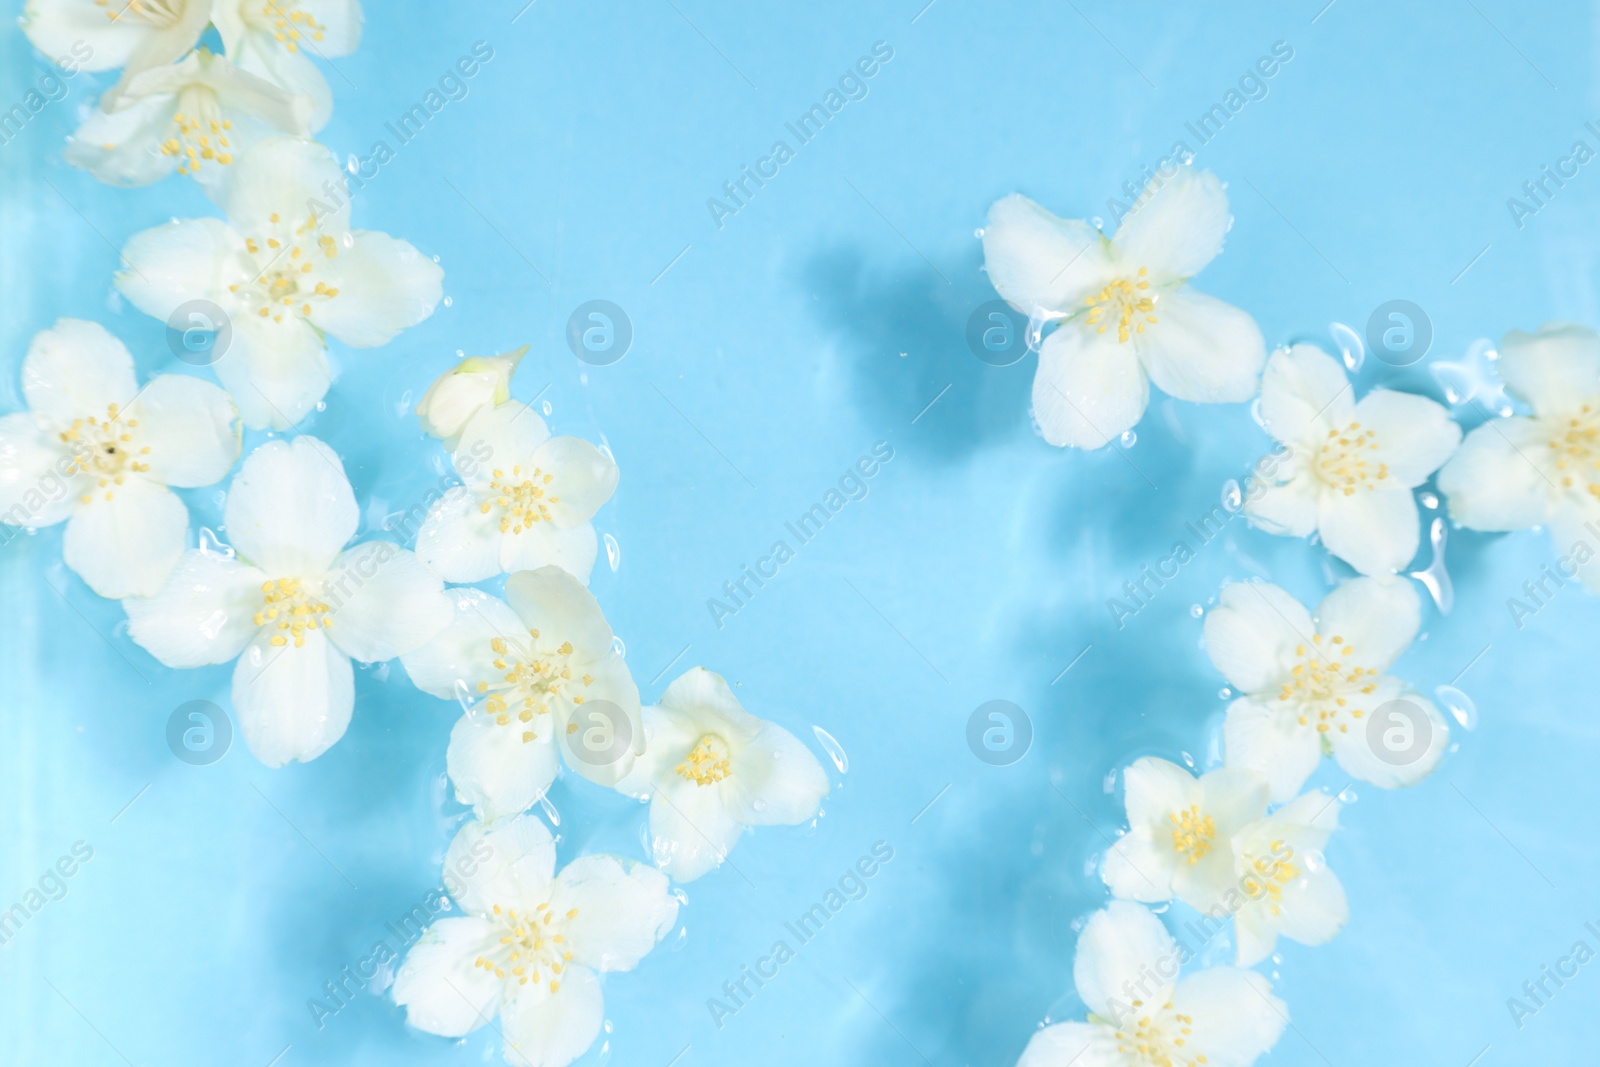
{"x":620,"y":648}
{"x":1350,"y":346}
{"x":834,"y":750}
{"x":1429,"y":501}
{"x":1232,"y":496}
{"x":1195,"y":611}
{"x":548,"y":409}
{"x":1128,"y":439}
{"x":449,"y":301}
{"x":1460,"y":706}
{"x":464,"y":696}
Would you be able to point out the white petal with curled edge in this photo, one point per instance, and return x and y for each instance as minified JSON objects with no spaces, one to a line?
{"x":1556,"y":370}
{"x":35,"y":486}
{"x":1236,"y":1018}
{"x":584,"y":478}
{"x":1253,"y":632}
{"x":511,"y":863}
{"x":127,"y":545}
{"x":179,"y":261}
{"x":293,"y":702}
{"x":1288,"y":509}
{"x":1378,"y":618}
{"x":1038,"y":262}
{"x":1073,"y":1045}
{"x":1304,"y":392}
{"x":290,"y":508}
{"x":574,"y":550}
{"x":691,"y":829}
{"x":545,"y":1029}
{"x":624,"y":908}
{"x":1140,"y":864}
{"x":439,"y":986}
{"x":1398,"y":743}
{"x":385,"y":285}
{"x":1264,"y":738}
{"x":460,"y":656}
{"x":1414,"y":435}
{"x":458,"y":540}
{"x":707,"y":697}
{"x":499,"y":439}
{"x":494,"y":769}
{"x":385,"y":602}
{"x":123,"y":147}
{"x":557,"y":605}
{"x":76,"y":369}
{"x":1088,"y":388}
{"x":294,"y":72}
{"x":191,"y":428}
{"x":276,"y":371}
{"x":777,"y":780}
{"x":283,"y":175}
{"x":1493,"y":483}
{"x":1202,"y":349}
{"x":1122,"y":942}
{"x":1177,"y":228}
{"x":1376,"y":531}
{"x":204,"y":613}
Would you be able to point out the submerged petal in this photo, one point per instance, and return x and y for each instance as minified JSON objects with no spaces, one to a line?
{"x":441,"y":989}
{"x":126,"y":539}
{"x":290,"y":508}
{"x":1088,"y":388}
{"x":293,"y":700}
{"x":1041,"y":263}
{"x":77,"y":369}
{"x":1176,"y":227}
{"x":204,"y":613}
{"x":623,"y":909}
{"x":1202,"y":349}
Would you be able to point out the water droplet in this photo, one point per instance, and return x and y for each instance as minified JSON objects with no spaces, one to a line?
{"x":349,"y":241}
{"x":464,"y":695}
{"x":1429,"y":501}
{"x":322,"y":405}
{"x":1098,"y":223}
{"x":1195,"y":611}
{"x":1225,"y":693}
{"x":1128,"y":439}
{"x":1255,"y":413}
{"x":1036,"y":324}
{"x":449,"y":301}
{"x":1349,"y":344}
{"x":1460,"y":706}
{"x":978,"y":233}
{"x":1232,"y":496}
{"x":834,"y":750}
{"x":1434,"y":577}
{"x":211,"y":544}
{"x":1161,"y":908}
{"x":1108,"y":784}
{"x":620,"y":648}
{"x":613,"y":552}
{"x":1347,"y":796}
{"x":550,"y":811}
{"x":402,"y":407}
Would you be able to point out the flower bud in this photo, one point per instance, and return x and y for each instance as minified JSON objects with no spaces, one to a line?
{"x":462,"y":391}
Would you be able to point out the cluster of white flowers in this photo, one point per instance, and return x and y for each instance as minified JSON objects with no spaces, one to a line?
{"x":538,"y":673}
{"x":1242,"y":841}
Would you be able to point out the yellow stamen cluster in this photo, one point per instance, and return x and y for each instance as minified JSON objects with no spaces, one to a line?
{"x":160,"y":13}
{"x":1270,"y":875}
{"x":530,"y":681}
{"x":198,"y":139}
{"x":286,"y":284}
{"x":1322,"y":679}
{"x":533,"y":945}
{"x":706,"y":763}
{"x":1575,"y":447}
{"x":1192,"y":833}
{"x":105,"y":450}
{"x":288,"y":24}
{"x":1156,"y":1038}
{"x":1343,"y":461}
{"x":291,"y":610}
{"x":522,"y":499}
{"x":1126,"y":302}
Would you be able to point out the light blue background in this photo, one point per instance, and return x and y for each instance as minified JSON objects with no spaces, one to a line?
{"x":820,"y":319}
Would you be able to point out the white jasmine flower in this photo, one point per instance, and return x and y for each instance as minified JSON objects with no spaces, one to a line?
{"x":277,"y":40}
{"x":106,"y":34}
{"x":462,"y":391}
{"x":535,"y":663}
{"x":1283,"y":883}
{"x":1310,"y":686}
{"x":1529,"y":470}
{"x":295,"y":603}
{"x":531,"y":941}
{"x":1128,"y":316}
{"x":1142,"y":1015}
{"x":99,"y":452}
{"x":1350,"y":467}
{"x":710,"y":769}
{"x":196,"y":116}
{"x":526,"y":500}
{"x":285,"y":269}
{"x":1179,"y":832}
